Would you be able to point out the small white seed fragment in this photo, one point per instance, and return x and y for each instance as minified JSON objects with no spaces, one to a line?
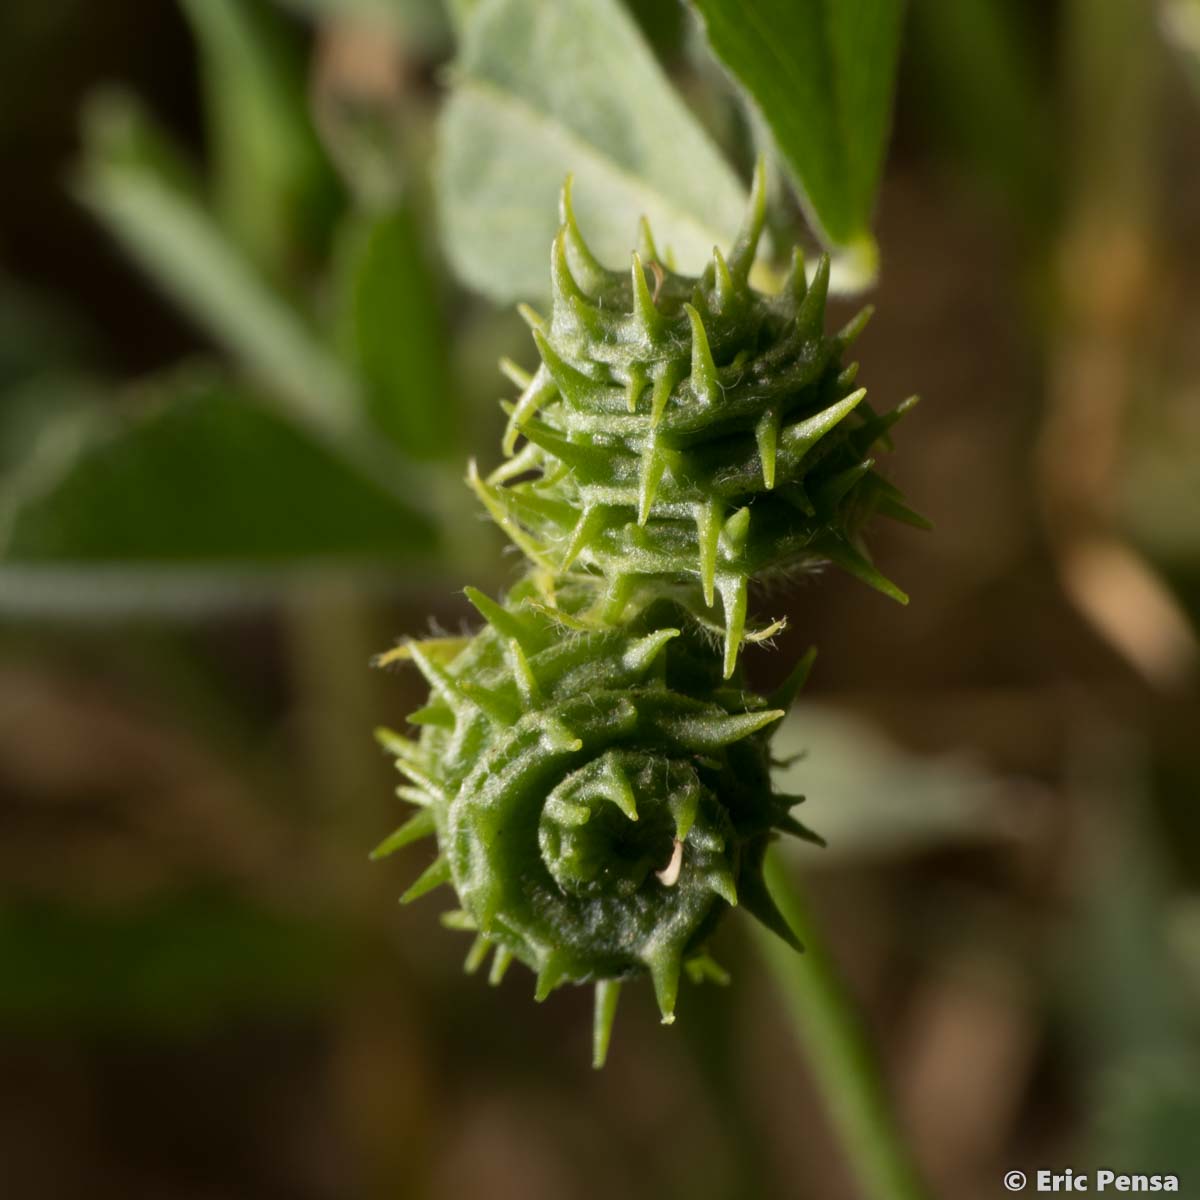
{"x":669,"y":875}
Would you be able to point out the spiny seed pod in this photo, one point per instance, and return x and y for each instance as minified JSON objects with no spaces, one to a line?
{"x":600,"y":794}
{"x":591,"y":763}
{"x":689,"y":433}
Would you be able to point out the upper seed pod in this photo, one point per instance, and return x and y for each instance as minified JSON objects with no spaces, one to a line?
{"x":689,"y":432}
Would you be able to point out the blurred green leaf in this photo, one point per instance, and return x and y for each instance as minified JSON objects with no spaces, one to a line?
{"x":193,"y":474}
{"x":363,"y":129}
{"x":459,"y":13}
{"x":394,"y":333}
{"x":174,"y":966}
{"x":868,"y":795}
{"x":1132,"y":1014}
{"x":982,"y":92}
{"x":1149,"y":1112}
{"x":664,"y":24}
{"x":45,"y":401}
{"x":273,"y":188}
{"x":546,"y":89}
{"x":182,"y":248}
{"x":822,"y":73}
{"x":180,"y":245}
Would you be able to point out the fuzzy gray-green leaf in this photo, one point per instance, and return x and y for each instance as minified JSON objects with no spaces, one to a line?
{"x":544,"y":89}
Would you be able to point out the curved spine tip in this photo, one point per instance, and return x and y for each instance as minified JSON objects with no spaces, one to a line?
{"x":848,"y":334}
{"x":760,"y":904}
{"x":573,"y":385}
{"x":531,"y":316}
{"x":745,"y":248}
{"x":620,"y":791}
{"x":766,"y":435}
{"x":796,"y":284}
{"x":565,"y":210}
{"x":723,"y":285}
{"x":645,"y":650}
{"x":434,"y":876}
{"x":564,"y":286}
{"x":650,"y":321}
{"x":417,"y":827}
{"x":784,"y":695}
{"x":591,"y":523}
{"x":810,"y":315}
{"x":664,"y":385}
{"x":703,"y":968}
{"x":653,"y":467}
{"x":477,"y":953}
{"x":553,"y":972}
{"x":684,"y":809}
{"x":709,"y":518}
{"x":733,"y":598}
{"x":634,"y":387}
{"x":496,"y":615}
{"x":665,"y":964}
{"x":501,"y":961}
{"x":608,"y":993}
{"x":585,"y":262}
{"x":516,"y":375}
{"x":786,"y":823}
{"x":705,"y":386}
{"x":720,"y":880}
{"x":645,"y":242}
{"x":527,"y":684}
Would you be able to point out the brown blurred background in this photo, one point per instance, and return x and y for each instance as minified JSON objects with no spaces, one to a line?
{"x":205,"y":989}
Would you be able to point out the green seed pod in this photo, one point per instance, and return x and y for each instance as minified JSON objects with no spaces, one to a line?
{"x":689,"y":433}
{"x":600,"y":795}
{"x":594,"y":769}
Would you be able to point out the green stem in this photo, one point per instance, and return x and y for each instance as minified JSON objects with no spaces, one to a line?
{"x":837,"y":1048}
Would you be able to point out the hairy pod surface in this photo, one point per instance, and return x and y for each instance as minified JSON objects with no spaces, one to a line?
{"x":591,"y":763}
{"x":690,"y":433}
{"x":600,"y":794}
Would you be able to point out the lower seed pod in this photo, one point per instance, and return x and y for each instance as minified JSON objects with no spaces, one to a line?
{"x":600,"y":796}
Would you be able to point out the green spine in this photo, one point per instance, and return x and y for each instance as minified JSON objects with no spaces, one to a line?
{"x":594,"y":768}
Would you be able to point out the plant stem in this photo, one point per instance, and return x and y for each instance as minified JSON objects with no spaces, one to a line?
{"x":839,"y":1055}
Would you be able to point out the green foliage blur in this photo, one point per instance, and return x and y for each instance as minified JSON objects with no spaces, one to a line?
{"x":258,"y":261}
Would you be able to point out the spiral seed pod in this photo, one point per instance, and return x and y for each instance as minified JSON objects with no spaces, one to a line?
{"x":599,"y":794}
{"x":690,"y":433}
{"x":591,"y":763}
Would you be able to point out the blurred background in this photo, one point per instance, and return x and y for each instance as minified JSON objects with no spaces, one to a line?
{"x":238,"y":384}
